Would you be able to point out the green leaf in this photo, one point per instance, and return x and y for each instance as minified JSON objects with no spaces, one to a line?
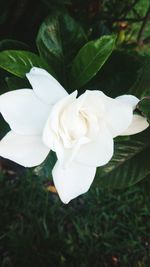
{"x":129,"y":165}
{"x":59,"y":38}
{"x":9,"y":44}
{"x":144,"y":107}
{"x":141,"y":87}
{"x":20,"y":62}
{"x":90,"y":59}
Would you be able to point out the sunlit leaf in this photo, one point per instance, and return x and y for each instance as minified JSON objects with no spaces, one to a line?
{"x":90,"y":59}
{"x":20,"y":62}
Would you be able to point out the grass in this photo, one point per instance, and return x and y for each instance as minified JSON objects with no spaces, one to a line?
{"x":101,"y":228}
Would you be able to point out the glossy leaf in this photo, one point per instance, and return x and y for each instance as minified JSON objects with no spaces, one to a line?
{"x":59,"y":38}
{"x":90,"y":59}
{"x":129,"y":165}
{"x":20,"y":62}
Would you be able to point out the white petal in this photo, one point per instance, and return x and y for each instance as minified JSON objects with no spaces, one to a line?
{"x":137,"y":125}
{"x":93,"y":102}
{"x":98,"y":152}
{"x":23,"y":111}
{"x":52,"y":126}
{"x":72,"y":181}
{"x":67,"y":155}
{"x":129,"y":99}
{"x":27,"y":151}
{"x":47,"y":88}
{"x":118,"y":115}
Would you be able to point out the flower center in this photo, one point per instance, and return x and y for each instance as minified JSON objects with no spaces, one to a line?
{"x":78,"y":128}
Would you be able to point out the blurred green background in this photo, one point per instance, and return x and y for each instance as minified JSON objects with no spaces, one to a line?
{"x":104,"y":227}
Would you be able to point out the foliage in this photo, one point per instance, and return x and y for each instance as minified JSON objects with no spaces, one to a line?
{"x":90,"y":59}
{"x":58,"y":40}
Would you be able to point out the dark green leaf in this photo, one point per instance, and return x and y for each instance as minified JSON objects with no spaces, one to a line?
{"x":130,"y":164}
{"x":141,"y":87}
{"x":90,"y":59}
{"x":59,"y":39}
{"x":144,"y":107}
{"x":9,"y":44}
{"x":20,"y":62}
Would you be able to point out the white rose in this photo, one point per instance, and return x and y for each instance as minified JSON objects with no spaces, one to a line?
{"x":80,"y":130}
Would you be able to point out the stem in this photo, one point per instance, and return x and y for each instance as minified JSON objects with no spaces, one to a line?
{"x":129,"y":19}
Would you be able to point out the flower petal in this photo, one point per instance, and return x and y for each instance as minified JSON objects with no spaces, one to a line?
{"x":46,"y":87}
{"x":98,"y":152}
{"x":129,"y":99}
{"x":137,"y":125}
{"x":93,"y":102}
{"x":27,"y":151}
{"x":118,"y":115}
{"x":52,"y":126}
{"x":72,"y":181}
{"x":23,"y":111}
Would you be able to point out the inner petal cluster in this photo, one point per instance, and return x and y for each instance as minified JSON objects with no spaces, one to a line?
{"x":75,"y":121}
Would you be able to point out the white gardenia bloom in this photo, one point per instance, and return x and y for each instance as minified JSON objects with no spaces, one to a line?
{"x":79,"y":129}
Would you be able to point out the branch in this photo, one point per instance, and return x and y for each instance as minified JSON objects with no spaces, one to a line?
{"x":130,"y":7}
{"x":124,"y":13}
{"x":136,"y":13}
{"x":143,"y":26}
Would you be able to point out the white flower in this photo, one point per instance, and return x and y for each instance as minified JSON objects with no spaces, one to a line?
{"x":80,"y":130}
